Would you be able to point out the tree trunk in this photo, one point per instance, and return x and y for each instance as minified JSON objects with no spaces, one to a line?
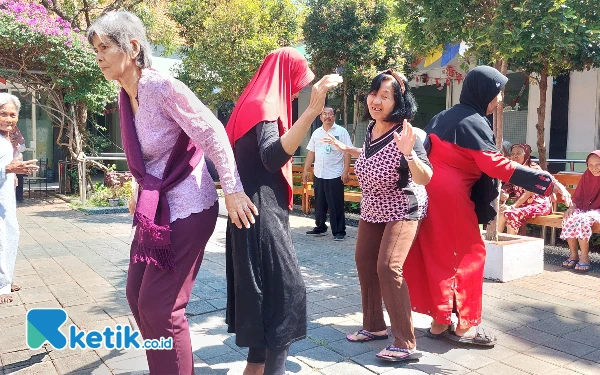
{"x":345,"y":95}
{"x":356,"y":112}
{"x":541,"y":112}
{"x":491,"y":233}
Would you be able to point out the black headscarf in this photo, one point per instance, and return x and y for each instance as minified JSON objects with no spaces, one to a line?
{"x":466,"y":126}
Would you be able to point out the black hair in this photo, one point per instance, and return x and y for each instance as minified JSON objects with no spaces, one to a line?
{"x":405,"y":105}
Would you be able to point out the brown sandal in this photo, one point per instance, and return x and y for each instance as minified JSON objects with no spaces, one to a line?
{"x":481,"y":338}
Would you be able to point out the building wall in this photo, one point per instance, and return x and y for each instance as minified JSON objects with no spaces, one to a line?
{"x":532,"y":117}
{"x":583,"y":135}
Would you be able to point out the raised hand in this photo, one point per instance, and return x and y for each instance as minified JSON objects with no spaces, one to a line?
{"x":405,"y":141}
{"x":319,"y":91}
{"x":331,"y":140}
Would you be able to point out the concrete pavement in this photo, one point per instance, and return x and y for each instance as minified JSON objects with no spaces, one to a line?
{"x":547,"y":324}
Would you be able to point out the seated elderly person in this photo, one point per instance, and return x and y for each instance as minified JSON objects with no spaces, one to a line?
{"x":583,"y":213}
{"x":527,"y":205}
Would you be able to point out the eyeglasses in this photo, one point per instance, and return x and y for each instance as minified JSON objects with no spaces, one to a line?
{"x":517,"y":154}
{"x":328,"y":114}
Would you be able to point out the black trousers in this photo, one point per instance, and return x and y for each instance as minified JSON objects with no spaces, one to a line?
{"x":19,"y":189}
{"x":329,"y":194}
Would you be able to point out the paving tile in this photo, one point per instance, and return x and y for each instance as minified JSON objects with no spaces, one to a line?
{"x":470,"y":358}
{"x":36,"y":295}
{"x":570,"y":347}
{"x":498,"y":368}
{"x":24,"y":358}
{"x":135,"y":365}
{"x":324,"y":335}
{"x":319,"y":357}
{"x":590,"y":335}
{"x":532,"y":335}
{"x":529,"y":364}
{"x":10,"y":311}
{"x":593,"y":356}
{"x":28,"y":281}
{"x":208,"y":346}
{"x":558,"y":325}
{"x":345,"y":367}
{"x":302,"y":345}
{"x":376,"y":365}
{"x":44,"y":368}
{"x":350,"y":349}
{"x":199,"y":308}
{"x":585,"y":367}
{"x":433,"y":364}
{"x":223,"y":363}
{"x":550,"y":355}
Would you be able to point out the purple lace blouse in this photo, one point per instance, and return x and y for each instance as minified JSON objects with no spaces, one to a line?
{"x":165,"y":107}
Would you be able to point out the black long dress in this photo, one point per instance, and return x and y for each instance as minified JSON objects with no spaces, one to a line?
{"x":266,"y":296}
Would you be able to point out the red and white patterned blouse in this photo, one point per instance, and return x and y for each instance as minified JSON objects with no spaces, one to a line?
{"x":386,"y":196}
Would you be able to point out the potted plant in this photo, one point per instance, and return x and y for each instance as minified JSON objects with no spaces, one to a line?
{"x":114,"y":195}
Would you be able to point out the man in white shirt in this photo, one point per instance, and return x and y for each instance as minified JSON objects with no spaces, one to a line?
{"x":330,"y":172}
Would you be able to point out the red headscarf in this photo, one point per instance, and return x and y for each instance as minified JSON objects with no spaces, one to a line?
{"x":587,"y":194}
{"x":527,"y":156}
{"x":268,"y":97}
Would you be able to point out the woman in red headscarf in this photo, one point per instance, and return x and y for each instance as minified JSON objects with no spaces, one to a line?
{"x":266,"y":296}
{"x":527,"y":205}
{"x":583,"y":213}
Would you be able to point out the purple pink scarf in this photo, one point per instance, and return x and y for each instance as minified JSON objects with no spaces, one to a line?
{"x":152,"y":214}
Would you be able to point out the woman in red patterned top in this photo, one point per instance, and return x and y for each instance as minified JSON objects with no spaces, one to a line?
{"x":527,"y":205}
{"x":391,"y":171}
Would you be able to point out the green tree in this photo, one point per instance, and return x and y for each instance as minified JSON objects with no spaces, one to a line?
{"x":226,"y":41}
{"x":539,"y":38}
{"x":356,"y":38}
{"x":81,"y":13}
{"x":549,"y":38}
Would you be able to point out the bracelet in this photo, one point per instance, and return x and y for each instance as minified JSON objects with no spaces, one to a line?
{"x":410,"y":157}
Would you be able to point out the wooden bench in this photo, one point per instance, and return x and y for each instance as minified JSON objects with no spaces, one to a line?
{"x":349,"y":195}
{"x":554,"y":220}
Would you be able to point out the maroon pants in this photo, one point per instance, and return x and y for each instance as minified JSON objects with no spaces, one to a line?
{"x":158,"y":297}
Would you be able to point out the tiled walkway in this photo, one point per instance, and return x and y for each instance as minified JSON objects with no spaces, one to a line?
{"x":549,"y":324}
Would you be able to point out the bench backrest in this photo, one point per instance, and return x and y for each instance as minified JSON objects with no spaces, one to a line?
{"x":298,"y":172}
{"x":353,"y":179}
{"x":570,"y":180}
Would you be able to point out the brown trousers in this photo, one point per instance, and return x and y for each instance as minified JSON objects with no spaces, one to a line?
{"x":381,"y":249}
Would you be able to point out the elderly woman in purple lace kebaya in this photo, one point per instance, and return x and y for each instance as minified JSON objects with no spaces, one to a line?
{"x":166,"y":131}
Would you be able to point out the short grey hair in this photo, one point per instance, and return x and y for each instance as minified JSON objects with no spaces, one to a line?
{"x":122,"y":27}
{"x":6,"y":98}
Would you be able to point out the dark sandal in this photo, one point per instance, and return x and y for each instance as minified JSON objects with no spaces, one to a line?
{"x":369,"y":336}
{"x":570,"y":263}
{"x":410,"y":354}
{"x":436,"y":336}
{"x":481,"y":338}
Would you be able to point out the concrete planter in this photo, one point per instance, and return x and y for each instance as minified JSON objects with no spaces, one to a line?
{"x":513,"y":257}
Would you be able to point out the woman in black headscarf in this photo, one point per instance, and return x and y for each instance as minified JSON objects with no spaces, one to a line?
{"x":444,"y":268}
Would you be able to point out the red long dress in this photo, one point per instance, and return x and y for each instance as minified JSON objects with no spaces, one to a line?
{"x":447,"y":259}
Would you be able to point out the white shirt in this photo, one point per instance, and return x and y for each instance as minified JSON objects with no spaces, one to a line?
{"x":329,"y":161}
